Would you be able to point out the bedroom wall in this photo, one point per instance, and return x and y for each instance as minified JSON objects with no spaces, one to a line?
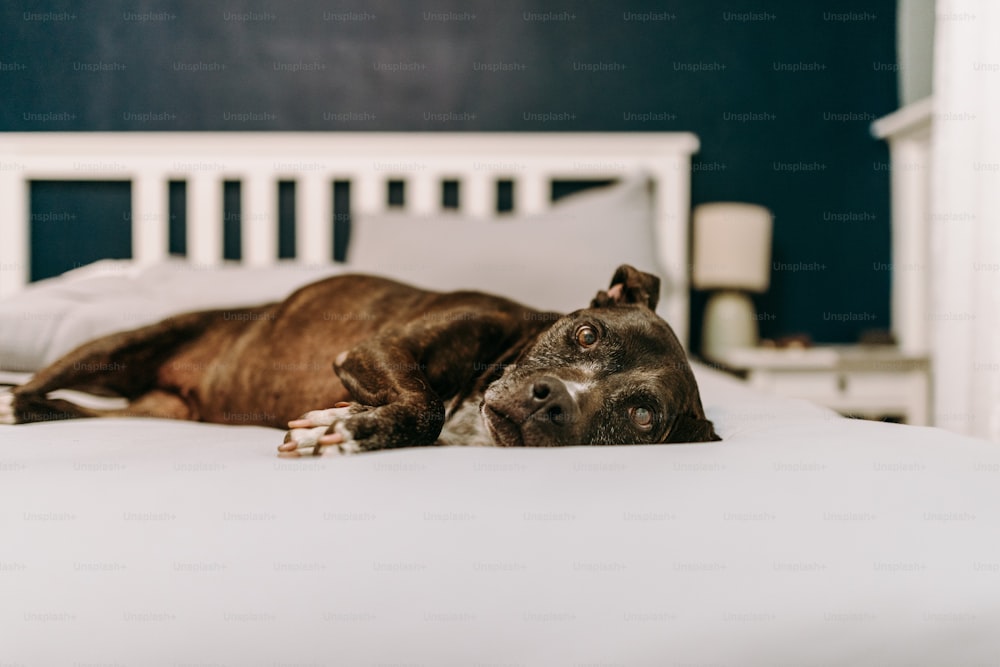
{"x":780,"y":92}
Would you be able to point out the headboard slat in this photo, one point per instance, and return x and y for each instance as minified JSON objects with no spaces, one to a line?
{"x":259,"y":219}
{"x":672,"y":205}
{"x":423,"y":193}
{"x":532,"y":192}
{"x":204,"y":213}
{"x":368,"y":192}
{"x":150,"y":216}
{"x":15,"y":223}
{"x":314,"y":218}
{"x":477,"y":194}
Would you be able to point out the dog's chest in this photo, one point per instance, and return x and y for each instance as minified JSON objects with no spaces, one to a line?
{"x":466,"y":426}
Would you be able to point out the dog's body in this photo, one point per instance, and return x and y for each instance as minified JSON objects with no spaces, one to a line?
{"x":412,"y":367}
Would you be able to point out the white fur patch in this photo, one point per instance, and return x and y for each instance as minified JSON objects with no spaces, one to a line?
{"x":306,"y":439}
{"x":345,"y":448}
{"x":466,"y":427}
{"x":348,"y":446}
{"x":329,"y":416}
{"x":7,"y":407}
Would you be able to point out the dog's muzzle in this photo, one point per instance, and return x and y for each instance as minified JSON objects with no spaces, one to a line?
{"x":542,"y":412}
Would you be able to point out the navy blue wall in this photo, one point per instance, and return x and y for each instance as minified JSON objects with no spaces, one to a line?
{"x":781,"y":93}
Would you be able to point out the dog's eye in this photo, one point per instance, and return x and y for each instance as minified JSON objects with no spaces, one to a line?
{"x":641,"y":417}
{"x":586,"y":336}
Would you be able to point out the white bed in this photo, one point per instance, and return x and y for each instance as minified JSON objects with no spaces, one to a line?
{"x":801,"y":538}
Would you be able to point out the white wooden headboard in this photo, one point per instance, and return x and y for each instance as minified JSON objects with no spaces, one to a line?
{"x":259,"y":160}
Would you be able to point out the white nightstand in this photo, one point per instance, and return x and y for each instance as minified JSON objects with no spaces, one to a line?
{"x":874,"y":382}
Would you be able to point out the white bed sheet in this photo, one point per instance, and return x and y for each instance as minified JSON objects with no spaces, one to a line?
{"x":801,"y":539}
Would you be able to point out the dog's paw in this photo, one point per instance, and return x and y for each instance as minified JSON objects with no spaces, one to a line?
{"x":7,"y":415}
{"x":321,"y":432}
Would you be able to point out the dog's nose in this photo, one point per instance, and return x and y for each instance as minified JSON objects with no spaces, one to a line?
{"x":551,"y":401}
{"x":540,"y":390}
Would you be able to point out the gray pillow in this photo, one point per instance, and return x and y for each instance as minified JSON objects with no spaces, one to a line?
{"x":555,"y":260}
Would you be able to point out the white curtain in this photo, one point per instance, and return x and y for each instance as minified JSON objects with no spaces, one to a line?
{"x":965,"y":218}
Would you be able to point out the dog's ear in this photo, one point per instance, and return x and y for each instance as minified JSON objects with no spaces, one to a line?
{"x":688,"y":428}
{"x":629,"y":285}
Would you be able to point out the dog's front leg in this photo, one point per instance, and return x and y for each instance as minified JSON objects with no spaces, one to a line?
{"x":394,"y":405}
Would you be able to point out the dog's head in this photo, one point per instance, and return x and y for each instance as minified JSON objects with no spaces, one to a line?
{"x":610,"y":374}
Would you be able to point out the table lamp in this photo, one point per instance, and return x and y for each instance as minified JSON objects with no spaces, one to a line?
{"x":732,"y":254}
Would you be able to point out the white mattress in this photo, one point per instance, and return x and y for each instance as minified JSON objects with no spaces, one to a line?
{"x":801,"y":539}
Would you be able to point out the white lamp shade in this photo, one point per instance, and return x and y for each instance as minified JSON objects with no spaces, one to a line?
{"x":732,"y":247}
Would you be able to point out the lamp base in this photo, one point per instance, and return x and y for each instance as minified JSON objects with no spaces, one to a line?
{"x":729,"y":323}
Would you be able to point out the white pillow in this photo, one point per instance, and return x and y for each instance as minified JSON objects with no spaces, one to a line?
{"x":556,"y":260}
{"x":51,"y":317}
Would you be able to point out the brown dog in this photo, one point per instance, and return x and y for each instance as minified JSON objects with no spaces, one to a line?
{"x":411,"y":367}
